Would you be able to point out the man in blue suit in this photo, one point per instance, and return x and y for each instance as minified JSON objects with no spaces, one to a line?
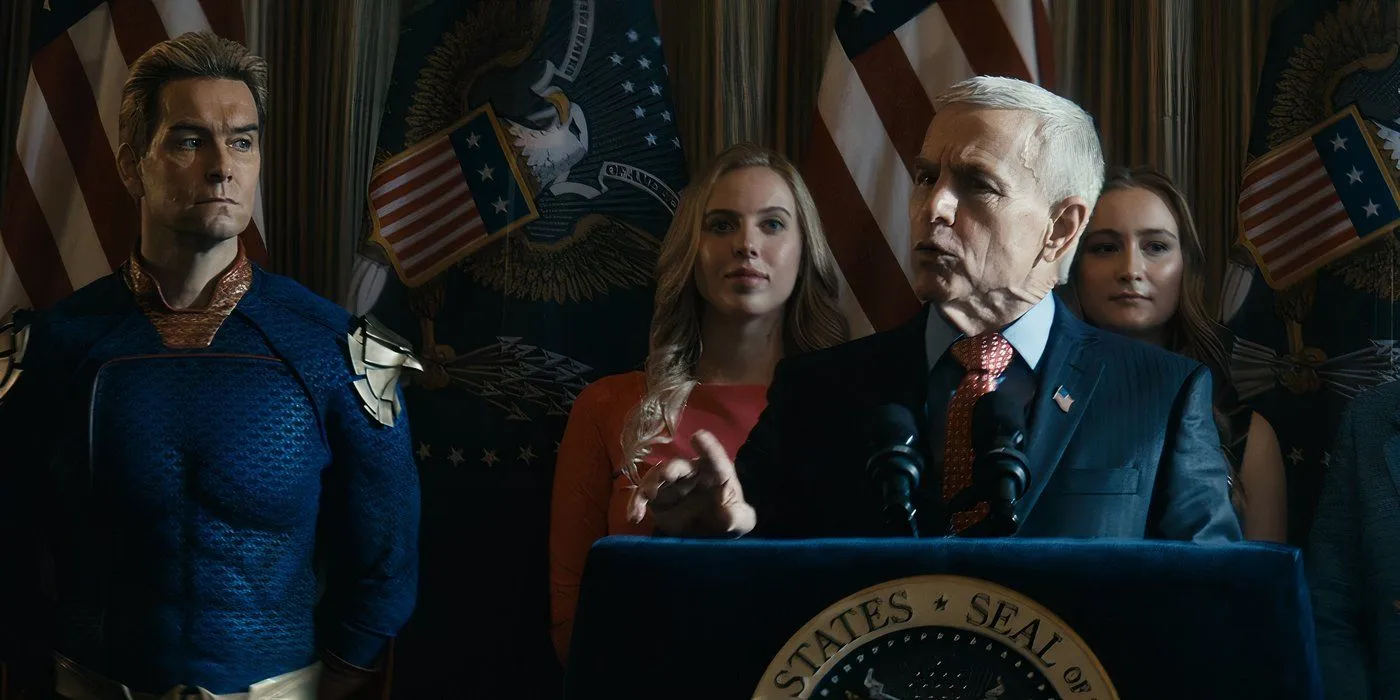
{"x":1121,"y":438}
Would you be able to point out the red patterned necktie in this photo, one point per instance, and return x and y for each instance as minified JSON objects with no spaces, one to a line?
{"x":984,"y":357}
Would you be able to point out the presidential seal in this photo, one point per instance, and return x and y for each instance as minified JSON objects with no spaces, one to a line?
{"x":936,"y":637}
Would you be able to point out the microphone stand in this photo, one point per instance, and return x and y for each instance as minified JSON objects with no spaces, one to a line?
{"x":899,"y":512}
{"x":999,"y":479}
{"x":1003,"y":478}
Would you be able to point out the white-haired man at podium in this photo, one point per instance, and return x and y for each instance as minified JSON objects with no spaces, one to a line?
{"x":1120,"y":438}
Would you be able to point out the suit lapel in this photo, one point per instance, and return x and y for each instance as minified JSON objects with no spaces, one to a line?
{"x":908,"y":370}
{"x":1051,"y":426}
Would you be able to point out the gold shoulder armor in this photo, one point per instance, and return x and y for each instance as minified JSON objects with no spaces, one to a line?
{"x":378,"y":356}
{"x":12,"y":344}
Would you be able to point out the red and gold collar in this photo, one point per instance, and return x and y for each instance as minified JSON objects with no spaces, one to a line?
{"x":185,"y":329}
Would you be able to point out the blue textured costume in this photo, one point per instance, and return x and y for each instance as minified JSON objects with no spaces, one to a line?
{"x":220,"y":502}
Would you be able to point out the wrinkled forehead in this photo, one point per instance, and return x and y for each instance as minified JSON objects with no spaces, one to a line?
{"x":1005,"y":138}
{"x":207,"y":102}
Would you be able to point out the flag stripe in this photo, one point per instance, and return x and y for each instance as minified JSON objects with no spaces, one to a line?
{"x":448,"y":245}
{"x":180,"y":16}
{"x":404,"y":171}
{"x":1286,"y":191}
{"x":933,"y":52}
{"x":1018,"y":16}
{"x":1044,"y":44}
{"x":451,"y":245}
{"x":1277,"y":157}
{"x":430,"y":249}
{"x":1327,"y":209}
{"x":106,"y":70}
{"x":137,"y":25}
{"x":1319,"y":203}
{"x":430,"y":184}
{"x":1262,"y":227}
{"x":426,"y":180}
{"x":29,"y":242}
{"x":11,"y":286}
{"x":60,"y":76}
{"x":1259,"y":182}
{"x":898,"y":97}
{"x":1326,"y":241}
{"x":225,"y":18}
{"x":1282,"y":249}
{"x":1263,"y":184}
{"x":865,"y":258}
{"x":424,"y":216}
{"x":870,"y":158}
{"x":412,"y":243}
{"x":985,"y":39}
{"x":55,"y":187}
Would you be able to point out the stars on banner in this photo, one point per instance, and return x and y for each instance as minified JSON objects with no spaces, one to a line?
{"x":651,"y":111}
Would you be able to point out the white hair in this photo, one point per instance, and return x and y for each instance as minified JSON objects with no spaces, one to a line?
{"x":1070,"y":159}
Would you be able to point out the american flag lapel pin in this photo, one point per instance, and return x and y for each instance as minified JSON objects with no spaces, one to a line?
{"x":1063,"y":399}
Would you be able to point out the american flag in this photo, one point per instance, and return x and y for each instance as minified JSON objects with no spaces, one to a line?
{"x":66,"y":219}
{"x":446,"y":196}
{"x":1315,"y":199}
{"x":887,"y":61}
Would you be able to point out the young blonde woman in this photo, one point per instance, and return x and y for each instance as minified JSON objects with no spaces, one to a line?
{"x":744,"y":278}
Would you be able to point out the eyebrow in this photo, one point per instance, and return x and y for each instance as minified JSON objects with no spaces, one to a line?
{"x":765,"y":210}
{"x":968,"y":170}
{"x":963,"y":169}
{"x":1140,"y":232}
{"x":188,"y":126}
{"x":1157,"y":231}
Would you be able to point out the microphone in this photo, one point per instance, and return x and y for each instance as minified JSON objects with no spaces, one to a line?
{"x":895,"y":465}
{"x":1000,"y":471}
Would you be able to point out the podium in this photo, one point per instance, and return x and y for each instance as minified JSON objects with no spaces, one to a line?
{"x":667,"y":618}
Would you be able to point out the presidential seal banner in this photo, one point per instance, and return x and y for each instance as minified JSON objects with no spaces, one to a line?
{"x":936,"y":637}
{"x":528,"y":168}
{"x":1318,"y":213}
{"x":425,"y":212}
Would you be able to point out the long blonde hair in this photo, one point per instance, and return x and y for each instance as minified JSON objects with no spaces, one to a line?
{"x":811,"y":318}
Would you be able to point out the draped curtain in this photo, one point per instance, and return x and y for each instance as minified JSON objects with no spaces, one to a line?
{"x":745,"y":70}
{"x":329,"y":64}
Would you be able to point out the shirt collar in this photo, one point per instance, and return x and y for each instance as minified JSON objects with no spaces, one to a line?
{"x":1028,"y":334}
{"x":189,"y":328}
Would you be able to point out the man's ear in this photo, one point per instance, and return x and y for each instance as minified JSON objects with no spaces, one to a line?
{"x":129,"y":167}
{"x":1067,"y":222}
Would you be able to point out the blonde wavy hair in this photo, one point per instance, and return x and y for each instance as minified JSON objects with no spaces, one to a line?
{"x":811,"y":318}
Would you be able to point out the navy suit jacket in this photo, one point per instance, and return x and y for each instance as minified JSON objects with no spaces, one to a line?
{"x":1137,"y":453}
{"x":1353,"y":555}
